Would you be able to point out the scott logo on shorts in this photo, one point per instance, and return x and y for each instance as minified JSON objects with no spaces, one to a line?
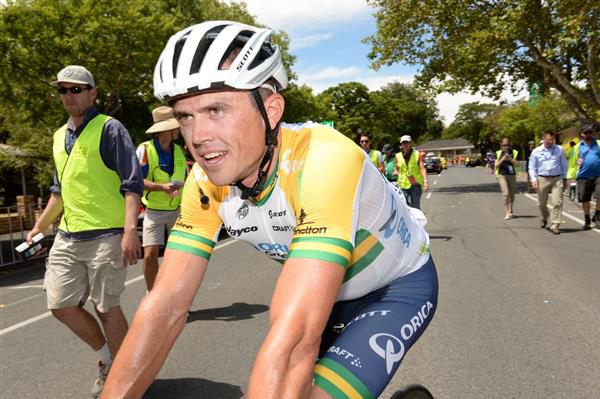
{"x":388,"y":353}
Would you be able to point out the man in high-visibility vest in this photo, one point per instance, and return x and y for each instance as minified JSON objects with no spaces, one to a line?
{"x":375,"y":156}
{"x":410,"y":168}
{"x":164,"y":170}
{"x":571,"y":168}
{"x":97,"y":188}
{"x":587,"y":153}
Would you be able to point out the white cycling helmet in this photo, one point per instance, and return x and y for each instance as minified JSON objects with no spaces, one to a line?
{"x":191,"y":59}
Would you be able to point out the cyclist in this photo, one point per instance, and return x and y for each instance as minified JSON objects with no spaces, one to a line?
{"x":358,"y":285}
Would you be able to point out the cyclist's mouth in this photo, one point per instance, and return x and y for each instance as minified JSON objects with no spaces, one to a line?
{"x":214,"y":158}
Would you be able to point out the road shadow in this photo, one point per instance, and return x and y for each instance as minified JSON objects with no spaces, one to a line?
{"x":570,"y":230}
{"x":524,"y":216}
{"x":20,"y":274}
{"x":478,"y":188}
{"x":445,"y":238}
{"x":191,"y":388}
{"x":234,"y":312}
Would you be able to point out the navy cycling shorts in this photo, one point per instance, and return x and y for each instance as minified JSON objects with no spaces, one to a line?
{"x":366,"y":338}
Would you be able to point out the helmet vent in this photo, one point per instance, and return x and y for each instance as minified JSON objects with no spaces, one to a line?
{"x":203,"y":46}
{"x":177,"y":52}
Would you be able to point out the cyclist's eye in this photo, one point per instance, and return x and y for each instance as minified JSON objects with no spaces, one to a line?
{"x":183,"y":118}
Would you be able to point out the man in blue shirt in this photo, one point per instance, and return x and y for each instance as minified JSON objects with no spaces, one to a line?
{"x":548,"y":174}
{"x":588,"y":181}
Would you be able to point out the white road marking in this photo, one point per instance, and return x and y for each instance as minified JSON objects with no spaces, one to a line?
{"x":44,"y":315}
{"x":19,"y":287}
{"x":20,"y":301}
{"x":565,"y":213}
{"x":428,"y":195}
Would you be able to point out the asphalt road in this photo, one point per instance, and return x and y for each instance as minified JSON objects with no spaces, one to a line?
{"x":517,"y":314}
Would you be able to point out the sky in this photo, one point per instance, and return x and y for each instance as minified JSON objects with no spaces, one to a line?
{"x":325,"y":36}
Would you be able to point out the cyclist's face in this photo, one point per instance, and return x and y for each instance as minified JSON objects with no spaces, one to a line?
{"x":224,"y":133}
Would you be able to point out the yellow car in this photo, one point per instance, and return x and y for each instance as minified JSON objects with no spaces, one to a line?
{"x":444,"y":166}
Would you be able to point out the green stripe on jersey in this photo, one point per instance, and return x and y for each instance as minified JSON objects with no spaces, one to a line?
{"x":361,"y":235}
{"x":363,"y":262}
{"x":326,"y":240}
{"x":328,"y":387}
{"x":188,"y":249}
{"x":321,"y":255}
{"x":177,"y":233}
{"x":347,"y":376}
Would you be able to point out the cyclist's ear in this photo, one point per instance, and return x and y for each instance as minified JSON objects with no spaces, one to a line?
{"x":274,"y":105}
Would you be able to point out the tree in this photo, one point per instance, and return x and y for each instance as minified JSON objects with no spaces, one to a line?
{"x":487,"y":45}
{"x":349,"y":106}
{"x":301,"y":105}
{"x":404,"y":109}
{"x":118,"y":41}
{"x":476,"y":123}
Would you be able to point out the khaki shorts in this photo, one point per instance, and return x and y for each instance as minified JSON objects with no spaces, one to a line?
{"x":155,"y":223}
{"x":76,"y":270}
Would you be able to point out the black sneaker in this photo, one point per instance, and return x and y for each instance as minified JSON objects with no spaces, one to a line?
{"x":587,"y":226}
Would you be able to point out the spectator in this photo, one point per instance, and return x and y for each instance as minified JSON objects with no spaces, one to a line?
{"x":490,"y":158}
{"x":410,"y":169}
{"x":375,"y":156}
{"x":548,"y":173}
{"x":389,"y":162}
{"x":164,"y":170}
{"x":97,"y":188}
{"x":530,"y":148}
{"x":506,"y":170}
{"x":572,"y":168}
{"x":587,"y":153}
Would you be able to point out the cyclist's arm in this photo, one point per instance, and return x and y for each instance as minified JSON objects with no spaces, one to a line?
{"x":304,"y":296}
{"x":423,"y":171}
{"x":158,"y":321}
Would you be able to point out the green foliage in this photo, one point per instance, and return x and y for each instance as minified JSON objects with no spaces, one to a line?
{"x":301,"y":105}
{"x":485,"y":125}
{"x":487,"y":46}
{"x":118,"y":41}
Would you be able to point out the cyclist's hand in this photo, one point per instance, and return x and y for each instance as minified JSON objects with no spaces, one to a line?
{"x":426,"y":186}
{"x":130,"y":247}
{"x":535,"y":185}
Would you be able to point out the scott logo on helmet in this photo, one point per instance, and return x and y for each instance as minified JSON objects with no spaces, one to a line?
{"x":244,"y":59}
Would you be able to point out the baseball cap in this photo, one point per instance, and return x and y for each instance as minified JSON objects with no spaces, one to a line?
{"x":531,"y":142}
{"x":404,"y":138}
{"x":74,"y":74}
{"x":591,"y":128}
{"x":387,"y":147}
{"x":164,"y":120}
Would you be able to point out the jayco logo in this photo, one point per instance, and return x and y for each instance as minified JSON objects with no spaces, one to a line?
{"x":238,"y":232}
{"x":396,"y":225}
{"x":388,"y":353}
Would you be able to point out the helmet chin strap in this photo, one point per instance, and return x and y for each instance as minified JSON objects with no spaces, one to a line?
{"x":265,"y":164}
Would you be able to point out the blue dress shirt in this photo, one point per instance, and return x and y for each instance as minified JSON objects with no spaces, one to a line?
{"x":547,"y":162}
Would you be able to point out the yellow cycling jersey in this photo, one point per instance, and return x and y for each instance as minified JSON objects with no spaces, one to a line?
{"x":324,"y":200}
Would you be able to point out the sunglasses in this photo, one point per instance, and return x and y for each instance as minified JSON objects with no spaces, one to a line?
{"x":74,"y":89}
{"x":504,"y":145}
{"x":364,"y":141}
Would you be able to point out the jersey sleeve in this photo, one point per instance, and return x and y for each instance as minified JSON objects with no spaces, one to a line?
{"x":197,"y":228}
{"x":327,"y":214}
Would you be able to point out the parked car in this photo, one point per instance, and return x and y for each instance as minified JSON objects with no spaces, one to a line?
{"x":473,"y":161}
{"x":433,"y":165}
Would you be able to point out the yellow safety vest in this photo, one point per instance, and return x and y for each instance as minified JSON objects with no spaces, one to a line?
{"x":412,"y":169}
{"x":160,"y":200}
{"x":515,"y":153}
{"x":90,"y":191}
